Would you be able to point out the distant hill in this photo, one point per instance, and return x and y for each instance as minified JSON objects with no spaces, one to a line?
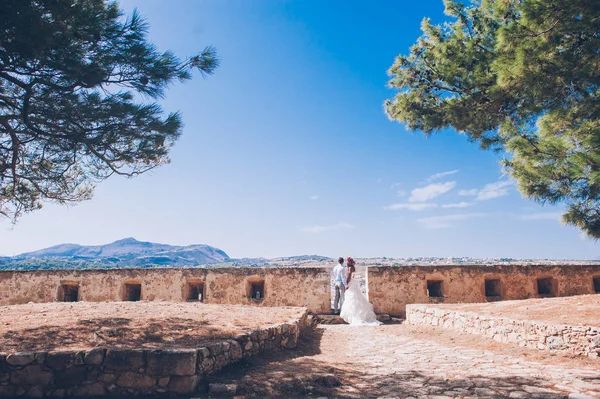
{"x":127,"y":252}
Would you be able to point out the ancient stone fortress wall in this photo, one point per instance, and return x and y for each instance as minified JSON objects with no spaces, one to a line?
{"x":580,"y":340}
{"x":113,"y":371}
{"x":390,"y":289}
{"x":303,"y":287}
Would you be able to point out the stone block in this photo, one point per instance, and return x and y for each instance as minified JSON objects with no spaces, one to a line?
{"x":220,"y":362}
{"x":235,"y":351}
{"x":107,"y":377}
{"x":135,"y":380}
{"x":215,"y":349}
{"x":60,"y":360}
{"x":207,"y":365}
{"x":7,"y":391}
{"x":20,"y":358}
{"x":94,"y":356}
{"x":31,"y":375}
{"x":35,"y":392}
{"x":171,"y":362}
{"x":124,"y":359}
{"x":163,"y":381}
{"x":91,"y":390}
{"x":58,"y":393}
{"x":184,"y":385}
{"x":40,"y":357}
{"x":4,"y":367}
{"x":72,"y":376}
{"x":222,"y":390}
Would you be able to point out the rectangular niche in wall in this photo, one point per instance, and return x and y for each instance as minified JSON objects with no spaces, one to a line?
{"x":546,"y":287}
{"x":257,"y":290}
{"x":133,"y":292}
{"x":597,"y":284}
{"x":435,"y":288}
{"x":195,"y":291}
{"x":493,"y":289}
{"x":68,"y":293}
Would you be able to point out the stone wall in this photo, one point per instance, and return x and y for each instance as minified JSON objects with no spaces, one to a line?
{"x":302,"y":287}
{"x":581,"y":340}
{"x":390,"y":289}
{"x":128,"y":372}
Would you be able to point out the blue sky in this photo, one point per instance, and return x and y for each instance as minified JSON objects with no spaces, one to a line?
{"x":286,"y":149}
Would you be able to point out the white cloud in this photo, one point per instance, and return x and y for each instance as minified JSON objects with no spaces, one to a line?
{"x":401,"y":193}
{"x":458,"y":205}
{"x":320,"y":229}
{"x":410,"y":206}
{"x":436,"y":176}
{"x":493,"y":190}
{"x":430,"y":191}
{"x":489,"y":191}
{"x":314,"y":197}
{"x":440,"y":222}
{"x":541,"y":216}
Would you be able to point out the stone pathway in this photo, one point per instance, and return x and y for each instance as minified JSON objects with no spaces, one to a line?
{"x":402,"y":361}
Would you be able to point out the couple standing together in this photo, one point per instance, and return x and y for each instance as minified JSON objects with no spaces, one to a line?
{"x":355,"y":307}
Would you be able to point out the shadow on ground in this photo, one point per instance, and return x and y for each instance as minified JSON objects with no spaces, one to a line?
{"x":297,"y":374}
{"x":116,"y":332}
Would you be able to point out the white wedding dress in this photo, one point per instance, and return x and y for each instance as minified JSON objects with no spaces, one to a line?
{"x":356,"y":310}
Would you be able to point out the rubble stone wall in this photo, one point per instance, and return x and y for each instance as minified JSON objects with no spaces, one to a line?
{"x":580,"y":340}
{"x":127,"y":372}
{"x":302,"y":287}
{"x":390,"y":289}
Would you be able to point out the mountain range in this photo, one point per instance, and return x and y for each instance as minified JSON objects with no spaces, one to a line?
{"x":127,"y":252}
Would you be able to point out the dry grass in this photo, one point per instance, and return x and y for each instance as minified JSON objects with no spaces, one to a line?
{"x":83,"y":325}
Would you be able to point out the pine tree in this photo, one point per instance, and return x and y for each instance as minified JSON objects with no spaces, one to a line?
{"x":72,"y":76}
{"x":521,"y":77}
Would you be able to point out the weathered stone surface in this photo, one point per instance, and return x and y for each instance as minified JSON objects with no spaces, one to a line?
{"x":207,"y":365}
{"x":7,"y":391}
{"x":94,"y":356}
{"x":328,"y":380}
{"x":554,"y":342}
{"x":58,"y":393}
{"x":124,"y":359}
{"x":135,"y":380}
{"x":91,"y":390}
{"x":183,"y":385}
{"x":525,"y":333}
{"x":31,"y":375}
{"x":72,"y":376}
{"x":235,"y":350}
{"x":60,"y":360}
{"x":35,"y":392}
{"x":215,"y":349}
{"x":216,"y":390}
{"x":171,"y":362}
{"x":220,"y":362}
{"x":163,"y":381}
{"x":107,"y":377}
{"x":20,"y":358}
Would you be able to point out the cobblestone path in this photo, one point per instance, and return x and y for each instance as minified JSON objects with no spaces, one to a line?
{"x":401,"y":361}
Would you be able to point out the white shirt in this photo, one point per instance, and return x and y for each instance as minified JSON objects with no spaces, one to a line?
{"x":339,"y":274}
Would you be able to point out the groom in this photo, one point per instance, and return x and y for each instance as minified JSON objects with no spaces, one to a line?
{"x":339,"y":275}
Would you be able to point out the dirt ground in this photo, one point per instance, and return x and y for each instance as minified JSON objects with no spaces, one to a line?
{"x":403,"y":361}
{"x":573,"y":311}
{"x":81,"y":325}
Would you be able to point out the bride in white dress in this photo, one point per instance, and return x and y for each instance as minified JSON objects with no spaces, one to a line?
{"x":356,"y":310}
